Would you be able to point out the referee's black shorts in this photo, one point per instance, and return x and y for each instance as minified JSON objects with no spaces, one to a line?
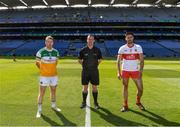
{"x":91,"y":76}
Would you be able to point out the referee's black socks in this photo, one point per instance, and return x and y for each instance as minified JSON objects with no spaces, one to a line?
{"x":95,"y":96}
{"x":84,"y":94}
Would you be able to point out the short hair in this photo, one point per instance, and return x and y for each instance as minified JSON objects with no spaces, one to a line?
{"x":49,"y":37}
{"x":90,"y":35}
{"x":129,"y":33}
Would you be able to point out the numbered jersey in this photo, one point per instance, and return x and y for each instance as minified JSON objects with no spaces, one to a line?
{"x":130,"y":57}
{"x":48,"y":61}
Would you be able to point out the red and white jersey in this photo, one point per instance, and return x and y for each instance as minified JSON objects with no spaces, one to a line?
{"x":130,"y":57}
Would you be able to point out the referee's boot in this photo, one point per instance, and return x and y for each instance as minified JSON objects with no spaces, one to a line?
{"x":96,"y":105}
{"x":83,"y":105}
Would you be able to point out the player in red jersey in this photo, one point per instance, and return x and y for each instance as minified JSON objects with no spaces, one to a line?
{"x":129,"y":57}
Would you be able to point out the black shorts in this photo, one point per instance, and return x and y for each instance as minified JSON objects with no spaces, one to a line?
{"x":91,"y":76}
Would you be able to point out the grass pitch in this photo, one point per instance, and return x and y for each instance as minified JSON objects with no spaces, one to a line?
{"x":19,"y":90}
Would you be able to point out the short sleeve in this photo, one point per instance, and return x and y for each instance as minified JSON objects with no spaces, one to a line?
{"x":80,"y":55}
{"x":57,"y":54}
{"x":120,"y":51}
{"x":140,"y":49}
{"x":38,"y":54}
{"x":99,"y":54}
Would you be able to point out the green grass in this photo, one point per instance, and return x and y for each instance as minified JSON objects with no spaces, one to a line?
{"x":19,"y":90}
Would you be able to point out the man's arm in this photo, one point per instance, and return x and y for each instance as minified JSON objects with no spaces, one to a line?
{"x":57,"y":61}
{"x":99,"y":61}
{"x":80,"y":57}
{"x":38,"y":61}
{"x":141,"y":58}
{"x":80,"y":61}
{"x":58,"y":56}
{"x":119,"y":57}
{"x":99,"y":56}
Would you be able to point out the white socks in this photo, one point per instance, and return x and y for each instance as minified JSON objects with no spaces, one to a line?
{"x":53,"y":104}
{"x":40,"y":107}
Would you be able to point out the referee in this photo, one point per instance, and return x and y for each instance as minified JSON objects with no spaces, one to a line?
{"x":90,"y":57}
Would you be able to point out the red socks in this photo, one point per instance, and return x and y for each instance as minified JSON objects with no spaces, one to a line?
{"x":125,"y":103}
{"x":138,"y":98}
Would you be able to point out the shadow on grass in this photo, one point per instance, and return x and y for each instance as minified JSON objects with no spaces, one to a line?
{"x":156,"y":118}
{"x":114,"y":119}
{"x":65,"y":121}
{"x":50,"y":121}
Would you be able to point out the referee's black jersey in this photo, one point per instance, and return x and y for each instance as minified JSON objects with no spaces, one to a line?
{"x":90,"y":57}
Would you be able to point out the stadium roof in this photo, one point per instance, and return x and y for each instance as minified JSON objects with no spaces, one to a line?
{"x":85,"y":3}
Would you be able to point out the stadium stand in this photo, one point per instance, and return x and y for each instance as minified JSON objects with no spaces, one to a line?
{"x":171,"y":44}
{"x":91,"y":15}
{"x":157,"y":29}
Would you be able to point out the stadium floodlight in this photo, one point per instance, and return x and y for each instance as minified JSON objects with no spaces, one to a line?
{"x":79,"y":6}
{"x":20,"y":7}
{"x":121,"y":5}
{"x":39,"y":6}
{"x":3,"y":8}
{"x":144,"y":5}
{"x":58,"y":6}
{"x":168,"y":5}
{"x":100,"y":5}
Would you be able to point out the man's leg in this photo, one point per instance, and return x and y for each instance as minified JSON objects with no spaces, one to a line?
{"x":95,"y":96}
{"x":42,"y":90}
{"x":94,"y":79}
{"x":53,"y":98}
{"x":84,"y":95}
{"x":85,"y":82}
{"x":125,"y":82}
{"x":139,"y":85}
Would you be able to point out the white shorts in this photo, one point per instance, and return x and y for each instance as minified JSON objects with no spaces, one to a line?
{"x":48,"y":81}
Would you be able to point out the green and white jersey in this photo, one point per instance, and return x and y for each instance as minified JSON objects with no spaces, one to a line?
{"x":48,"y":61}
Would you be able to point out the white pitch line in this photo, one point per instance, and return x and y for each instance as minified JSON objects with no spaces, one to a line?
{"x":88,"y":111}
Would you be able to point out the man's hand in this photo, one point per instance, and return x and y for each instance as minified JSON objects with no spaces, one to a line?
{"x":119,"y":57}
{"x":99,"y":61}
{"x":140,"y":73}
{"x":38,"y":65}
{"x":80,"y":61}
{"x":119,"y":76}
{"x":141,"y":64}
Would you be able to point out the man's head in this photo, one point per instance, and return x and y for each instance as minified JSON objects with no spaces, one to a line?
{"x":90,"y":40}
{"x":129,"y":37}
{"x":49,"y":41}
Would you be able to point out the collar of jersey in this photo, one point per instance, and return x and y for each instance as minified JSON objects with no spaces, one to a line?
{"x":130,"y":47}
{"x":89,"y":48}
{"x":48,"y":49}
